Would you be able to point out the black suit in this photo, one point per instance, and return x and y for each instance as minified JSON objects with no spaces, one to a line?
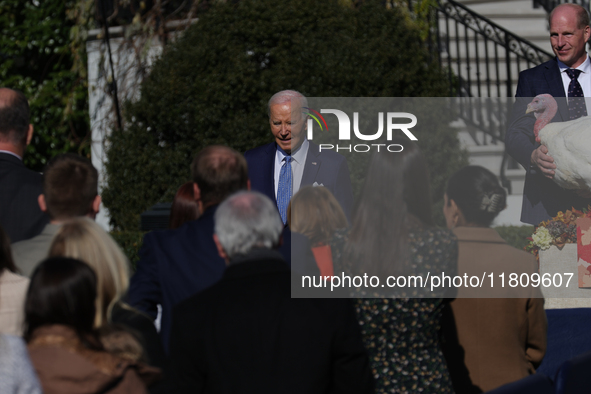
{"x":542,"y":198}
{"x":246,"y":334}
{"x":174,"y":265}
{"x":20,"y":215}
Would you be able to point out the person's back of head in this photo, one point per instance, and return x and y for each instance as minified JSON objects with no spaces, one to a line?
{"x":218,"y":172}
{"x":62,"y":291}
{"x":245,"y":221}
{"x":15,"y":129}
{"x":315,"y":213}
{"x":477,"y":193}
{"x":70,"y":187}
{"x":83,"y":239}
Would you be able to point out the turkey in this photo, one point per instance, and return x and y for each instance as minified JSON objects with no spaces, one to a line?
{"x":569,"y":143}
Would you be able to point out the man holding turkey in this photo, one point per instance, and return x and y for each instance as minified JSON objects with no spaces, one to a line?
{"x":567,"y":78}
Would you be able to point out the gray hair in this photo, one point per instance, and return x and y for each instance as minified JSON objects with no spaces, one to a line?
{"x":247,"y":220}
{"x":286,"y":96}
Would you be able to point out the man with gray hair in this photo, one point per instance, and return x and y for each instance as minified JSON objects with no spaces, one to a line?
{"x":280,"y":168}
{"x":246,"y":334}
{"x":246,"y":222}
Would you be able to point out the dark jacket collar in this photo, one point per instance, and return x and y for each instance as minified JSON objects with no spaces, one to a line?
{"x":257,"y":261}
{"x":10,"y":158}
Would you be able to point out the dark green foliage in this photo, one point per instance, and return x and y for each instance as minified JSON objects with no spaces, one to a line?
{"x":516,"y":236}
{"x":36,"y":58}
{"x":211,"y":87}
{"x":130,"y":242}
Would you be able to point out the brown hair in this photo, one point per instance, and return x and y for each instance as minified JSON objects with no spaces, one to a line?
{"x":395,"y":199}
{"x":315,"y":213}
{"x":219,"y":171}
{"x":70,"y":185}
{"x":184,"y":207}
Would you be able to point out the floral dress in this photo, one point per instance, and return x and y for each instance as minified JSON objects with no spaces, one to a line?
{"x":401,"y":335}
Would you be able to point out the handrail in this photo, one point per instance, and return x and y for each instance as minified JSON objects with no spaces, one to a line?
{"x":481,"y":59}
{"x":516,"y":49}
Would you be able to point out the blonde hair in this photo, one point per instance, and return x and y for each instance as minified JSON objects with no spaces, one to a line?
{"x":83,"y":239}
{"x":315,"y":213}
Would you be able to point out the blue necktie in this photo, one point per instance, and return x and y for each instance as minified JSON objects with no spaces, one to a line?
{"x":284,"y":188}
{"x":576,"y":101}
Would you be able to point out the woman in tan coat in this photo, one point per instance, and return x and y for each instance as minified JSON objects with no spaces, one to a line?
{"x":493,"y":335}
{"x":69,"y":355}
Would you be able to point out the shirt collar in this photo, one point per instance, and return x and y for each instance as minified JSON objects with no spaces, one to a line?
{"x":298,"y":155}
{"x":11,"y":153}
{"x":585,"y":67}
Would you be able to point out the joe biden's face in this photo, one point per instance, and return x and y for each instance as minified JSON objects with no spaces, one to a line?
{"x":288,"y":127}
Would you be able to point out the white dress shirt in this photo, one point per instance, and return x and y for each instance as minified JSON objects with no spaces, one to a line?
{"x":297,"y":166}
{"x":584,"y":79}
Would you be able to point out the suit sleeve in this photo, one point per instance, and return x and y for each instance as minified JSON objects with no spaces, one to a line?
{"x":520,"y":140}
{"x":144,"y":289}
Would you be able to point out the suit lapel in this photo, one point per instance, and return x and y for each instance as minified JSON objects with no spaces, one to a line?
{"x":554,"y":80}
{"x":312,"y":165}
{"x":268,"y":174}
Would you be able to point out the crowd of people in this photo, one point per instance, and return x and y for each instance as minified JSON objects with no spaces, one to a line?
{"x":227,"y":281}
{"x":235,"y":315}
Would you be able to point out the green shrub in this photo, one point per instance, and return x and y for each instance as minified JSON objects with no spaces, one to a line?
{"x":211,"y":86}
{"x":130,"y":242}
{"x":516,"y":236}
{"x":36,"y":57}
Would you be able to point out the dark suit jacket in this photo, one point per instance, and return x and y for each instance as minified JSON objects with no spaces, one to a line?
{"x":327,"y":168}
{"x":174,"y":265}
{"x":542,"y":198}
{"x":20,"y":215}
{"x":246,"y":334}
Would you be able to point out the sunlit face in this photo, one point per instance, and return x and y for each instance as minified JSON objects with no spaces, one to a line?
{"x":448,"y":213}
{"x":287,"y":127}
{"x":567,"y":39}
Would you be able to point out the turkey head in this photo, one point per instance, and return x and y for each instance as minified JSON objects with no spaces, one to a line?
{"x":544,"y":108}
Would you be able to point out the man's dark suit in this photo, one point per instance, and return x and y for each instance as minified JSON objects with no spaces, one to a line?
{"x":542,"y":198}
{"x":20,"y":215}
{"x":246,"y":334}
{"x":326,"y":168}
{"x":174,"y":265}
